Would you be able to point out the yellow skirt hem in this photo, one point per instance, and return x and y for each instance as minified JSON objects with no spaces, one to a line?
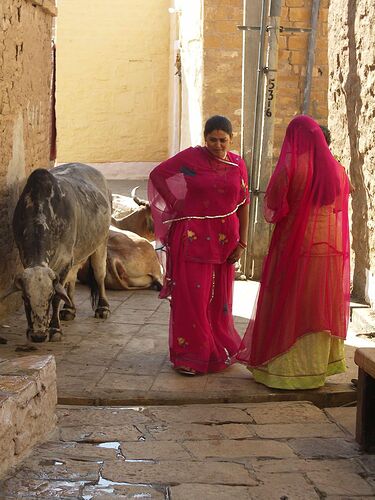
{"x":298,"y":382}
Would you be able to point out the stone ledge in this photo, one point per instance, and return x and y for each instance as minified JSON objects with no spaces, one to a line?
{"x":28,"y":398}
{"x":47,"y":5}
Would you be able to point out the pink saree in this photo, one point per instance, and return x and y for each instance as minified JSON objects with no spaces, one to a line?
{"x":194,"y":197}
{"x":305,"y":280}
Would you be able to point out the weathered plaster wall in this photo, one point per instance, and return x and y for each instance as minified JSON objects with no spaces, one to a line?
{"x":191,"y":48}
{"x":351,"y":119}
{"x":25,"y":111}
{"x":112,"y":80}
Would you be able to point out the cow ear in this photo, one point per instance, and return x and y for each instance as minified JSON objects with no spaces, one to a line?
{"x":61,"y":292}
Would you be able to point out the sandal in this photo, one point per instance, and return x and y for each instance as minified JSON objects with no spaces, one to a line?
{"x":185,"y":371}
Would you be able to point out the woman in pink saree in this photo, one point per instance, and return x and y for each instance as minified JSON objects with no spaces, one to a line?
{"x":198,"y":200}
{"x":296,"y":337}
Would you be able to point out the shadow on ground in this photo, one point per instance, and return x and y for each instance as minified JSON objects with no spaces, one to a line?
{"x":124,"y":360}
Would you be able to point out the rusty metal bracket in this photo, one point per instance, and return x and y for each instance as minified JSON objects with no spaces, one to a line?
{"x":282,"y":29}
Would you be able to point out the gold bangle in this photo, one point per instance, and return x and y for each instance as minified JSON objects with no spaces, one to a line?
{"x":242,"y":244}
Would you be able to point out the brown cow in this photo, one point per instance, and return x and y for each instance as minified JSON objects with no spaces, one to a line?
{"x":132,"y":263}
{"x":132,"y":214}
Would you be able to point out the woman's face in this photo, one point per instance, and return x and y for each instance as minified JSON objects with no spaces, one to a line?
{"x":218,"y":142}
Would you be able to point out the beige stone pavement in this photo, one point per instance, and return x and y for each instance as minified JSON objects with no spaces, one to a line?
{"x":265,"y":451}
{"x":124,"y":360}
{"x":243,"y":449}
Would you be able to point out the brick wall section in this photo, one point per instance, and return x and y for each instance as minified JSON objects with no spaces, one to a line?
{"x":351,"y":119}
{"x":292,"y":66}
{"x":222,"y":53}
{"x":223,"y":60}
{"x":25,"y":112}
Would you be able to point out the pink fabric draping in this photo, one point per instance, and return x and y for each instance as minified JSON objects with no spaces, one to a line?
{"x":194,"y":197}
{"x":305,"y":280}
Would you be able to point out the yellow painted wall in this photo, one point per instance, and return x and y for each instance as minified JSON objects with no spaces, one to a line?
{"x":112,"y":80}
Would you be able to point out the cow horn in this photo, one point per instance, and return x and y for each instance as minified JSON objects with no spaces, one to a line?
{"x":139,"y":201}
{"x":61,"y":292}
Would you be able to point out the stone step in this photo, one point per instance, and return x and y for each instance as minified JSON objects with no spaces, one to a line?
{"x":28,"y":398}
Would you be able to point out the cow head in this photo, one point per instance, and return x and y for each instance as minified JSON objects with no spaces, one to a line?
{"x":149,"y":229}
{"x":38,"y":285}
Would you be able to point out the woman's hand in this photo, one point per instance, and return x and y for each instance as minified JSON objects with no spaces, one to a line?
{"x":235,"y":255}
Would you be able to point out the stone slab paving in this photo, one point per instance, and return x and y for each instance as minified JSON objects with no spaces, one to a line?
{"x":124,"y":360}
{"x":270,"y":451}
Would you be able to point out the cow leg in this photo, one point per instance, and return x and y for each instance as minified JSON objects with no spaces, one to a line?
{"x":68,"y":312}
{"x":99,"y":265}
{"x":55,"y":332}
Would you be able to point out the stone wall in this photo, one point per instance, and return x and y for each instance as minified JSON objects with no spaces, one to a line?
{"x":25,"y":111}
{"x":28,"y":398}
{"x":291,"y":78}
{"x":112,"y":80}
{"x":351,"y":120}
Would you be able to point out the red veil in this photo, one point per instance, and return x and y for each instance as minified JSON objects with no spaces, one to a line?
{"x":194,"y":184}
{"x":305,"y":280}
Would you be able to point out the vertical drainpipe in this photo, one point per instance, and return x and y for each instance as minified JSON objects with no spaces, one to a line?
{"x":310,"y":56}
{"x":174,"y":81}
{"x":261,"y":230}
{"x":255,"y":21}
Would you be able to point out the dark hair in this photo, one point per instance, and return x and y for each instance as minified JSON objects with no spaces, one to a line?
{"x":326,"y":133}
{"x":218,"y":122}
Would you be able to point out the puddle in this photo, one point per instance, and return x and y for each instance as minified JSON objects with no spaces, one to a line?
{"x":112,"y":445}
{"x":108,"y":486}
{"x":106,"y":483}
{"x":140,"y":460}
{"x":115,"y":445}
{"x":134,"y":408}
{"x":47,"y":463}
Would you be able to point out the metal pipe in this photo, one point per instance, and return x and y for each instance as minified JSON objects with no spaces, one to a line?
{"x":310,"y":56}
{"x":259,"y":95}
{"x":260,"y":229}
{"x":251,"y":16}
{"x":257,"y":137}
{"x":252,"y":10}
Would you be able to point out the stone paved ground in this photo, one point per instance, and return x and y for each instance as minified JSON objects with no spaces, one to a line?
{"x":283,"y":450}
{"x":124,"y":360}
{"x":265,"y":451}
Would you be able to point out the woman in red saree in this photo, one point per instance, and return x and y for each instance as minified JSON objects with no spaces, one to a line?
{"x":198,"y":200}
{"x":296,"y":337}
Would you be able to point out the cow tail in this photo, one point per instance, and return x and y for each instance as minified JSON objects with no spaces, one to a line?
{"x":92,"y":283}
